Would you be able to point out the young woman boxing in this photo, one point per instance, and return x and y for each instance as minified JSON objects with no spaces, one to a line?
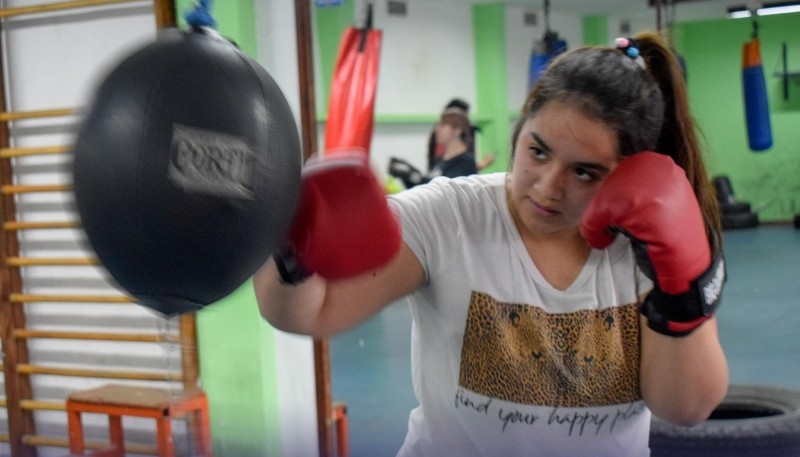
{"x":558,"y":305}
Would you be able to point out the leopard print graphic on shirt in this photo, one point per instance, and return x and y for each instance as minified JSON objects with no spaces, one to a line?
{"x":520,"y":353}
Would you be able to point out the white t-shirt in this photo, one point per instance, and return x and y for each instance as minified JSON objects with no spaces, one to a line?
{"x":503,"y":364}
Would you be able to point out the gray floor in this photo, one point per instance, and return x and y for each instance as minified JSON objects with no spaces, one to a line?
{"x":759,"y":322}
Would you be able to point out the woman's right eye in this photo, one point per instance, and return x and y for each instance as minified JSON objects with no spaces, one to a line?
{"x":538,"y":152}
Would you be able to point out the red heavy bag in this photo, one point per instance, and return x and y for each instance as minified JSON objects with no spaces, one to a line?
{"x":352,"y":99}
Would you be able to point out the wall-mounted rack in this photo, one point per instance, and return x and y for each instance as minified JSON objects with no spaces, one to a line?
{"x":785,"y":74}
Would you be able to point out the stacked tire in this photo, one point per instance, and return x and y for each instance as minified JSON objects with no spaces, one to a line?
{"x":752,"y":421}
{"x":735,"y":214}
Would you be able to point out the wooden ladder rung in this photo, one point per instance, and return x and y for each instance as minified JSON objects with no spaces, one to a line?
{"x":17,"y":225}
{"x":50,"y":261}
{"x":6,"y":153}
{"x":95,"y":336}
{"x":24,"y":189}
{"x":17,"y":115}
{"x":29,"y":369}
{"x":42,"y":405}
{"x":53,"y":441}
{"x":30,"y":298}
{"x":48,"y":7}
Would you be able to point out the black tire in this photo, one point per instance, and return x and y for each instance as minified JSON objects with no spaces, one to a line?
{"x":797,"y":221}
{"x":752,"y":421}
{"x":735,"y":207}
{"x":723,"y":188}
{"x":739,"y":220}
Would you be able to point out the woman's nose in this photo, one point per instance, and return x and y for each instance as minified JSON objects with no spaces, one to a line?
{"x":551,"y":182}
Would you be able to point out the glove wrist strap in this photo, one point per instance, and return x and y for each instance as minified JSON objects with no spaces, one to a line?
{"x":290,"y":273}
{"x":679,"y":315}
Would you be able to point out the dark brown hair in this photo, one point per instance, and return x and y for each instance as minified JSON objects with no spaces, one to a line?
{"x":647,"y":107}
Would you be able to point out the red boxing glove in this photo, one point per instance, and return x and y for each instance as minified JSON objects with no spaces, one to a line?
{"x":343,"y":226}
{"x":649,"y":199}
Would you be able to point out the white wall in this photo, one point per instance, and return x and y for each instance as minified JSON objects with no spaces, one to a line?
{"x":277,"y":48}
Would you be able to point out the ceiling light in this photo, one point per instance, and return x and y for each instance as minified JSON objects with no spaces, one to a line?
{"x":779,"y":9}
{"x":737,"y":12}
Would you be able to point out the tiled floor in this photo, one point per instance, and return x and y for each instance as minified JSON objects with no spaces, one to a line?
{"x":759,"y":322}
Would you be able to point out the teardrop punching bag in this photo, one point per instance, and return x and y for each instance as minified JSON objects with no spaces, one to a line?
{"x":756,"y":104}
{"x":186,"y":170}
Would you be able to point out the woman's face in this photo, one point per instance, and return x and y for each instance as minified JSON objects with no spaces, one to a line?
{"x":560,"y":159}
{"x":445,"y":132}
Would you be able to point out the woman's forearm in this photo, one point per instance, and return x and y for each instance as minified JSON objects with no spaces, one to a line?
{"x":321,"y":308}
{"x":683,"y":379}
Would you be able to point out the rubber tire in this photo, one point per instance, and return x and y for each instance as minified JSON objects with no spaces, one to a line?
{"x":723,"y":188}
{"x":752,"y":421}
{"x":735,"y":207}
{"x":739,"y":220}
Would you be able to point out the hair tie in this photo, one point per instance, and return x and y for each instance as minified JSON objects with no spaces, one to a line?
{"x":630,"y":48}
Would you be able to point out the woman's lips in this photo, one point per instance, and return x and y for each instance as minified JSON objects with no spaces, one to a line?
{"x":543,"y":210}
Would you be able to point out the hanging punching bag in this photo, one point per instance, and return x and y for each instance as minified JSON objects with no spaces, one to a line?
{"x":352,"y":98}
{"x":537,"y":63}
{"x":543,"y":53}
{"x":756,"y":104}
{"x":186,"y":170}
{"x":545,"y":50}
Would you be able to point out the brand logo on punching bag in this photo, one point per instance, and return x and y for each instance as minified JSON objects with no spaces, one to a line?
{"x":209,"y":162}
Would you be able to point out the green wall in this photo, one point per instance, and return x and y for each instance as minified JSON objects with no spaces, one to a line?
{"x":595,"y":30}
{"x":489,"y":45}
{"x":769,"y":180}
{"x":236,"y":346}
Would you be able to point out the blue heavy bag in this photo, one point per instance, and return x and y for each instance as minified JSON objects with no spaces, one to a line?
{"x":756,"y":104}
{"x":538,"y":63}
{"x":543,"y":52}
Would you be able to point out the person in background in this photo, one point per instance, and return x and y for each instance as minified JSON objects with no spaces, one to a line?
{"x":442,"y":149}
{"x":435,"y":150}
{"x":558,"y":305}
{"x":453,"y":136}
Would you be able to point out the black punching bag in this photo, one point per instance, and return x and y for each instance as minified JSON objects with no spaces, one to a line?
{"x":186,"y":170}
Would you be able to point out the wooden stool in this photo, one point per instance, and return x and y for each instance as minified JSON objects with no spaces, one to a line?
{"x":160,"y":404}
